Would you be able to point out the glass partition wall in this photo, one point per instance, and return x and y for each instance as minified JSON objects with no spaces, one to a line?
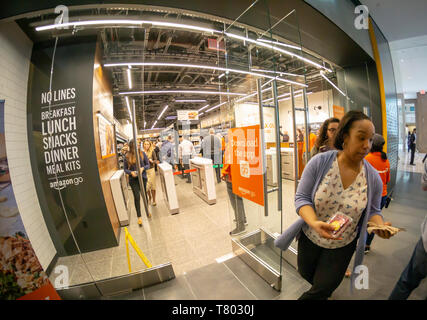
{"x":234,"y":75}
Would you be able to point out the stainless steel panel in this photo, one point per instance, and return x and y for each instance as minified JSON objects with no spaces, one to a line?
{"x":252,"y":238}
{"x":137,"y":280}
{"x":116,"y":285}
{"x":290,"y":256}
{"x":268,"y":274}
{"x":86,"y":291}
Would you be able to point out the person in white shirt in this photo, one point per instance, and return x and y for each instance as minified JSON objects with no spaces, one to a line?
{"x":185,"y":152}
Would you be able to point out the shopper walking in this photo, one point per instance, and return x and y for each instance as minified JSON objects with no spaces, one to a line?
{"x":325,"y":139}
{"x":211,"y":149}
{"x":336,"y":181}
{"x":416,"y":270}
{"x":131,"y":170}
{"x":378,"y":159}
{"x":300,"y":136}
{"x":166,"y":151}
{"x":149,"y":150}
{"x":412,"y":144}
{"x":185,"y":152}
{"x":235,"y":200}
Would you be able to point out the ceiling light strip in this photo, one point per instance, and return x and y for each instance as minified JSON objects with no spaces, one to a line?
{"x":332,"y":84}
{"x":204,"y":107}
{"x":279,"y":43}
{"x":187,"y":65}
{"x":217,"y":106}
{"x":125,"y":22}
{"x":164,"y":109}
{"x":195,"y":101}
{"x":278,"y":72}
{"x":172,"y":25}
{"x":155,"y":122}
{"x":181,"y":91}
{"x":129,"y":79}
{"x":127,"y":104}
{"x":265,"y":45}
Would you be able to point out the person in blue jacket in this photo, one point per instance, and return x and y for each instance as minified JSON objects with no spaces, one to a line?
{"x":131,"y":169}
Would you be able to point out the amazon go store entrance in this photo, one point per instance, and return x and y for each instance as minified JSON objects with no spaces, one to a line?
{"x":225,"y":115}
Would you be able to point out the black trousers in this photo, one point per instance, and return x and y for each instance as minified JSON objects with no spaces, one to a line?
{"x":412,"y":153}
{"x":323,"y":268}
{"x":136,"y":190}
{"x":186,"y":166}
{"x":238,"y":207}
{"x":216,"y":161}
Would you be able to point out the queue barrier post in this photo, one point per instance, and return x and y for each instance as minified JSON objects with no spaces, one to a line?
{"x":128,"y":239}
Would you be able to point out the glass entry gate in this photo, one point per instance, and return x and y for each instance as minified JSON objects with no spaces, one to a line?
{"x":279,"y":105}
{"x":233,"y":74}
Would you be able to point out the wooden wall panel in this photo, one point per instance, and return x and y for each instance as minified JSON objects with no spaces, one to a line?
{"x":103,"y":102}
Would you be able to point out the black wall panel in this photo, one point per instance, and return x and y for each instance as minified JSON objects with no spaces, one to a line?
{"x":79,"y":198}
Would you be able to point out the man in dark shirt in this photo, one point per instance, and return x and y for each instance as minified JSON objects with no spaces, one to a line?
{"x":212,"y":149}
{"x":412,"y":145}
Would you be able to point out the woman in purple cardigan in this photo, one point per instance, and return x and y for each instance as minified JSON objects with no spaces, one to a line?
{"x":335,"y":181}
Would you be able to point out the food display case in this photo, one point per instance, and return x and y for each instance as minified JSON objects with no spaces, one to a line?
{"x":271,"y":167}
{"x":120,"y":191}
{"x":168,"y":187}
{"x":203,"y":179}
{"x":288,"y":163}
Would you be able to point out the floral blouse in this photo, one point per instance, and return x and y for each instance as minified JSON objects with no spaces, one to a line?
{"x":331,"y":197}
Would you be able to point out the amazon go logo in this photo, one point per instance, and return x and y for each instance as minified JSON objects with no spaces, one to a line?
{"x":62,"y":184}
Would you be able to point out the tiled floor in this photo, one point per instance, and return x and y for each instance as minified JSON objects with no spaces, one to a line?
{"x":194,"y":238}
{"x":233,"y":279}
{"x":405,"y":159}
{"x":189,"y":240}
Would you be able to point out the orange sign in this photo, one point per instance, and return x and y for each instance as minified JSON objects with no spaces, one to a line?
{"x":338,"y":112}
{"x":246,"y":163}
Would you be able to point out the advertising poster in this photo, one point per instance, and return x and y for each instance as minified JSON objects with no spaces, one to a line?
{"x":246,"y":163}
{"x":21,"y":275}
{"x":184,"y":115}
{"x":248,"y":115}
{"x":338,"y":112}
{"x":106,"y":137}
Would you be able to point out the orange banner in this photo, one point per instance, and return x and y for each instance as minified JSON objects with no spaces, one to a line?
{"x":246,"y":163}
{"x":338,"y":112}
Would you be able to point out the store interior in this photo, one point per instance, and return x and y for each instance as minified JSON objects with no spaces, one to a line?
{"x":146,"y":76}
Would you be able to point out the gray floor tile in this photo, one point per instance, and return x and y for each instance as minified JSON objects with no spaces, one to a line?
{"x":133,"y":295}
{"x":175,"y":289}
{"x":259,"y":287}
{"x":215,"y":281}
